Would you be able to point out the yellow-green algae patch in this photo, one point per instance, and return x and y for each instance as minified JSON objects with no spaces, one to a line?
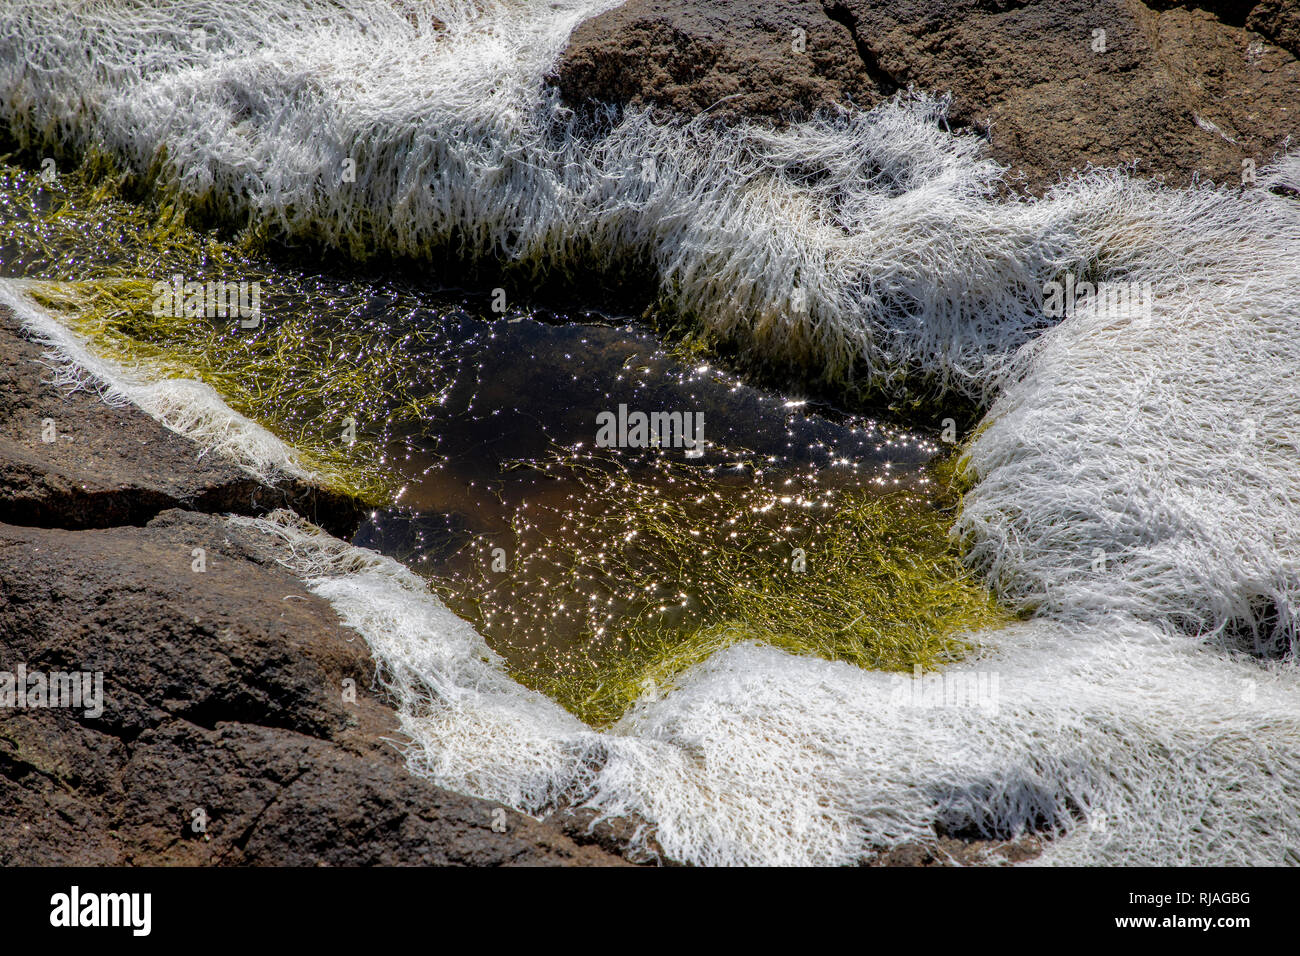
{"x":102,"y":257}
{"x":308,"y":392}
{"x":662,"y":570}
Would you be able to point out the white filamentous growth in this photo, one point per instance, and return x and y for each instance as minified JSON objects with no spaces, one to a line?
{"x":186,"y":406}
{"x":864,"y":247}
{"x":474,"y":729}
{"x":1136,"y":481}
{"x":1148,"y":461}
{"x":1133,"y":745}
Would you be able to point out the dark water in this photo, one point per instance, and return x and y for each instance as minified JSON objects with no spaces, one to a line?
{"x":506,"y":490}
{"x":528,"y":529}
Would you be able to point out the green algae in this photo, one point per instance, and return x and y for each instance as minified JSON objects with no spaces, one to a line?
{"x":683,"y":562}
{"x":669,"y":568}
{"x":332,"y":396}
{"x":309,"y":393}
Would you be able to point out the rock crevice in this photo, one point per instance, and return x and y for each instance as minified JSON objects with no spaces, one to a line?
{"x":1054,"y":85}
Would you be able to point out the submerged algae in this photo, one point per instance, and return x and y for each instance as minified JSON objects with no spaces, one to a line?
{"x":669,"y":565}
{"x":336,"y":394}
{"x":657,"y":569}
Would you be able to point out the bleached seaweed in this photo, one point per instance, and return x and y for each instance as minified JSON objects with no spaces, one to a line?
{"x":1147,"y":460}
{"x":862,"y":249}
{"x":1135,"y":484}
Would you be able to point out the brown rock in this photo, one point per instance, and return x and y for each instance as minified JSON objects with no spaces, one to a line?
{"x":111,"y":466}
{"x":732,"y":60}
{"x":632,"y":838}
{"x":1279,"y":21}
{"x":1183,"y":90}
{"x":222,"y":694}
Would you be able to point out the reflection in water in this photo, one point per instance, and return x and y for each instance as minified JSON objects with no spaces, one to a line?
{"x":547,"y":542}
{"x":586,"y":567}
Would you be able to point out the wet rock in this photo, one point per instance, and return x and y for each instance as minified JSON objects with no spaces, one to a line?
{"x":227,"y":734}
{"x":68,"y":460}
{"x":1179,"y":88}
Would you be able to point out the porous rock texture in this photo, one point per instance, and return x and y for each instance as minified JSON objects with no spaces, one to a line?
{"x":1178,"y":88}
{"x":241,"y":721}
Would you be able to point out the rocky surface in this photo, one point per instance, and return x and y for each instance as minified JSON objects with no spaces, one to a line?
{"x":1278,"y":20}
{"x":732,"y":60}
{"x":1179,"y":88}
{"x":617,"y":835}
{"x":229,"y":732}
{"x":241,"y":723}
{"x":68,"y":460}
